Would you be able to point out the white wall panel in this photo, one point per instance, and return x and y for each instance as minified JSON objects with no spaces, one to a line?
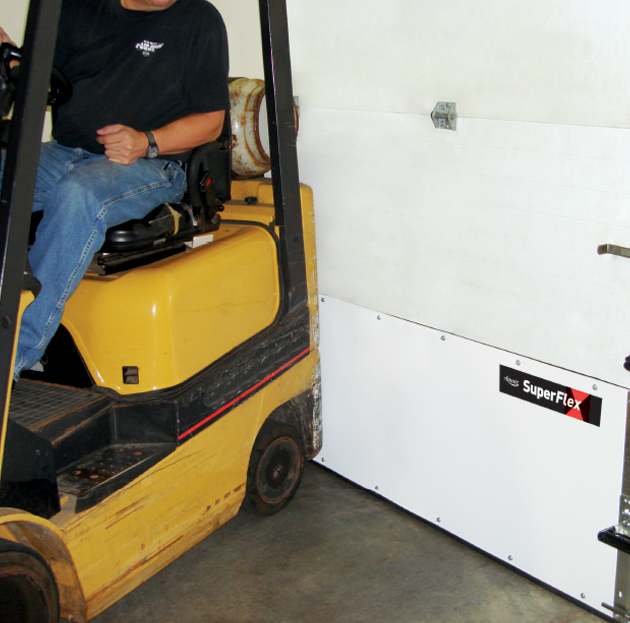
{"x":490,"y":232}
{"x":420,"y":420}
{"x":243,"y":26}
{"x":559,"y":61}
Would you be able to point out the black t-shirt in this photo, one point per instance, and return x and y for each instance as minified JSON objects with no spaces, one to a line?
{"x":142,"y":69}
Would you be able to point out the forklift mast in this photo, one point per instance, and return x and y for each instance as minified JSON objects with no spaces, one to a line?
{"x":23,"y":154}
{"x":20,"y":172}
{"x":282,"y":142}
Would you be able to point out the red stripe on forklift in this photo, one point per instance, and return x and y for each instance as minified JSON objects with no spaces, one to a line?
{"x":245,"y":393}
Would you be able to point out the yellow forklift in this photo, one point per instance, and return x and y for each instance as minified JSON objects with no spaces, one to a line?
{"x":184,"y":380}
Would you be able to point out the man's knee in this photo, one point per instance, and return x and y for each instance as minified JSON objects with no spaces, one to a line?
{"x":74,"y":200}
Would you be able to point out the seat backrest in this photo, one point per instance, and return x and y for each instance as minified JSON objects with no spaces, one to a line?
{"x":209,"y":171}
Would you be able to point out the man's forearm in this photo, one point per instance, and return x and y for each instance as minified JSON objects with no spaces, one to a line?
{"x":125,"y":145}
{"x":189,"y":132}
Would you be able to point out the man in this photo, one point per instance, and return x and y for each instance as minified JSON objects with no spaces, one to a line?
{"x":149,"y":82}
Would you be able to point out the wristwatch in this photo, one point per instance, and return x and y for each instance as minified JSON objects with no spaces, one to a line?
{"x":152,"y":149}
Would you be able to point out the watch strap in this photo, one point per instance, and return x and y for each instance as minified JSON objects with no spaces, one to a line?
{"x":152,"y":148}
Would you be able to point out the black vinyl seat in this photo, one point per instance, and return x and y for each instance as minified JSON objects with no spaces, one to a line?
{"x":208,"y":177}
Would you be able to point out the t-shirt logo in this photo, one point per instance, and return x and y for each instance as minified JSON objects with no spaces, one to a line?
{"x":148,"y":47}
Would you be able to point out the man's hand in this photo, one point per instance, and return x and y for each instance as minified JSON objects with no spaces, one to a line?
{"x":126,"y":145}
{"x":122,"y":144}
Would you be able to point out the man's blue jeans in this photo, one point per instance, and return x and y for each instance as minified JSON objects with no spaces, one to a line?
{"x":82,"y":195}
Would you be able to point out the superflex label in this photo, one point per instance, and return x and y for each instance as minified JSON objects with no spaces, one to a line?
{"x":559,"y":398}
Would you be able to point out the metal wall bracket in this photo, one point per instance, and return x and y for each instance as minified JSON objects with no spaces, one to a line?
{"x":612,"y":249}
{"x":618,"y":536}
{"x":623,"y":527}
{"x":620,"y":612}
{"x":444,"y":116}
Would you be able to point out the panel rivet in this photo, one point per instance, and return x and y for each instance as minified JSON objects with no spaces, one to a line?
{"x":323,"y":300}
{"x":7,"y":321}
{"x":443,"y":338}
{"x":518,"y":362}
{"x":439,"y":520}
{"x":583,"y":595}
{"x":376,"y":488}
{"x":323,"y":460}
{"x":378,"y":317}
{"x":595,"y":387}
{"x":510,"y":557}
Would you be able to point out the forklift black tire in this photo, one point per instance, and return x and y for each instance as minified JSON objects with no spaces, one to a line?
{"x":275,"y":469}
{"x":28,"y":591}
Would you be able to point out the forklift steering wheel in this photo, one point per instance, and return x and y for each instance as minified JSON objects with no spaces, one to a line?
{"x":60,"y":87}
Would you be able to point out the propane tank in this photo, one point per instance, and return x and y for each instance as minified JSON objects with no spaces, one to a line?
{"x":250,"y":135}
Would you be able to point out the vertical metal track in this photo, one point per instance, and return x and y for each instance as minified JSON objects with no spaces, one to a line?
{"x":282,"y":140}
{"x":20,"y":172}
{"x":622,"y":581}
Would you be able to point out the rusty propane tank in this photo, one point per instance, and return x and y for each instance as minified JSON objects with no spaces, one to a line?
{"x":250,"y":140}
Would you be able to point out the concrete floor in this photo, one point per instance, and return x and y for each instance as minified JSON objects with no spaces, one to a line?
{"x":337,"y":554}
